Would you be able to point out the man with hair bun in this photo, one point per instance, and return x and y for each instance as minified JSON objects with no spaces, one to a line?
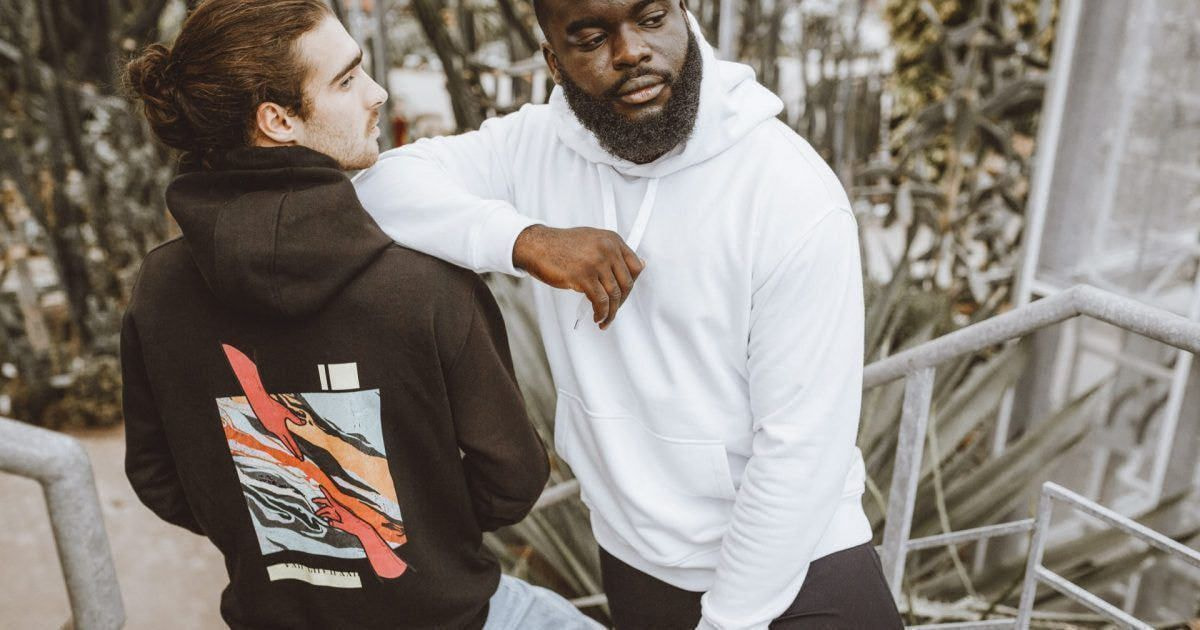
{"x":337,"y":414}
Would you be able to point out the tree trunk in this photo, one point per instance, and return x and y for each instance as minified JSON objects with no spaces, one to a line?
{"x":468,"y":113}
{"x":770,"y":60}
{"x":516,"y":26}
{"x":143,"y":27}
{"x":56,"y":210}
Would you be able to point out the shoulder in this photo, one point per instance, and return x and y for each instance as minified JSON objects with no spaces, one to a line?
{"x":530,"y":119}
{"x":529,"y":114}
{"x":793,"y":169}
{"x":426,"y":277}
{"x":166,"y":277}
{"x":163,"y":264}
{"x":426,"y":295}
{"x":794,"y":189}
{"x":165,"y":253}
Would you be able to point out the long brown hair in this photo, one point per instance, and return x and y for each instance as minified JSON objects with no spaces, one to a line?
{"x":201,"y":95}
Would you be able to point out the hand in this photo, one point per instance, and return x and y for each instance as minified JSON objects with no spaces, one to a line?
{"x":382,"y":557}
{"x":271,"y":412}
{"x":594,"y":262}
{"x":340,"y":517}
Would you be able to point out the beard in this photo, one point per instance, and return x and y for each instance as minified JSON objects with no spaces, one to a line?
{"x":644,"y":140}
{"x":330,"y":134}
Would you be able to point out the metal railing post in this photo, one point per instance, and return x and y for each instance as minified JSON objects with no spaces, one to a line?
{"x":61,"y":466}
{"x":1036,"y":572}
{"x":902,"y":497}
{"x":1037,"y":546}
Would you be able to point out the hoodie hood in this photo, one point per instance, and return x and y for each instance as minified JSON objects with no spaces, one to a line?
{"x":732,"y":103}
{"x":275,"y":232}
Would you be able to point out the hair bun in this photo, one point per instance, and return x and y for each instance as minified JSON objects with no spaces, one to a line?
{"x":148,"y":77}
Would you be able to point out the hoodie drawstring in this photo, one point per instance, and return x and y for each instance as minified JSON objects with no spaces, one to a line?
{"x":636,"y":232}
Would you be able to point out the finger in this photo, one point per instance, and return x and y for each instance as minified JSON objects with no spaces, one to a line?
{"x":624,"y":279}
{"x":632,"y":261}
{"x":615,"y":297}
{"x":598,"y":296}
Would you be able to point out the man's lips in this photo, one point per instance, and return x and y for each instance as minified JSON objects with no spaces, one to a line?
{"x":641,"y":90}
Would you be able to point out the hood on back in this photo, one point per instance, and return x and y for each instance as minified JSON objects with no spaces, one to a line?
{"x":732,"y":103}
{"x":276,"y":232}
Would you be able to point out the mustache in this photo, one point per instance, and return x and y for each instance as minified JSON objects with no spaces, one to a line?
{"x":615,"y":91}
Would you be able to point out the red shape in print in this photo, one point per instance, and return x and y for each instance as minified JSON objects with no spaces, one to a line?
{"x":270,"y":413}
{"x":382,"y":557}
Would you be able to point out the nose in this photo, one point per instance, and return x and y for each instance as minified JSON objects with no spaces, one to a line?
{"x":377,"y":96}
{"x":630,"y":49}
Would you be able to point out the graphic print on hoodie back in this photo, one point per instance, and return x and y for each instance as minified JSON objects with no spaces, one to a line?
{"x":315,"y":474}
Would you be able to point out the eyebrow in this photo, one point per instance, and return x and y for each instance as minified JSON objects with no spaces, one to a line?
{"x":350,"y":66}
{"x":595,"y":22}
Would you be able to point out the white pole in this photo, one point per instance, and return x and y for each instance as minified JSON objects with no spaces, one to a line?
{"x":728,"y":31}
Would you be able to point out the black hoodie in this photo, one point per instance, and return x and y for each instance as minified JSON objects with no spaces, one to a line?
{"x":338,"y":414}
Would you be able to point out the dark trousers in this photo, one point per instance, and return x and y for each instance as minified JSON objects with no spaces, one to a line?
{"x":845,"y":589}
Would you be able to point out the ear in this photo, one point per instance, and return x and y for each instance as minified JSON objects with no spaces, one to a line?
{"x":551,"y":62}
{"x":275,"y":125}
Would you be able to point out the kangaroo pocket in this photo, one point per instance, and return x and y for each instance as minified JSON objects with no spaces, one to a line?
{"x":668,"y":498}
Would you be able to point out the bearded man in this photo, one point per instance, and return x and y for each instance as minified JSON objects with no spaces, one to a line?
{"x":712,"y":427}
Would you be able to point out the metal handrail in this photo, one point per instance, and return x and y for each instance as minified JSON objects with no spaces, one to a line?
{"x":1119,"y":311}
{"x":61,"y":466}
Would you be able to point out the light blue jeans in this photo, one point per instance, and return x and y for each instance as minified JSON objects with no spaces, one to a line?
{"x":519,"y":605}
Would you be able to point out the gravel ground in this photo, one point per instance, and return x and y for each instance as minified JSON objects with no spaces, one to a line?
{"x":170,"y":578}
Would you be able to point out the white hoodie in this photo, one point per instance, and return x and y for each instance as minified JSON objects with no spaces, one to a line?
{"x":712,"y":426}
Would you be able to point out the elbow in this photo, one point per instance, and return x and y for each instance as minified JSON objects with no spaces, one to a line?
{"x":509,"y":504}
{"x":161,"y":493}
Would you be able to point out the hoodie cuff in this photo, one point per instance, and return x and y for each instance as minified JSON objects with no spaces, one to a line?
{"x":707,"y":624}
{"x":496,"y":238}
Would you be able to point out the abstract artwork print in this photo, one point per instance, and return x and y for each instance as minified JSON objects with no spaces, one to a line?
{"x":314,"y":473}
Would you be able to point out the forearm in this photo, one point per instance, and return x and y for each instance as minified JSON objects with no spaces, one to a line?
{"x":805,"y":361}
{"x":149,"y":463}
{"x":156,"y":484}
{"x":497,"y":507}
{"x":776,"y":529}
{"x":504,"y":461}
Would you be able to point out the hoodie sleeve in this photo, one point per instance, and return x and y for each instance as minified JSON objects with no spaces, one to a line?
{"x":805,"y":365}
{"x":505,"y":463}
{"x":451,"y":197}
{"x":149,"y":464}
